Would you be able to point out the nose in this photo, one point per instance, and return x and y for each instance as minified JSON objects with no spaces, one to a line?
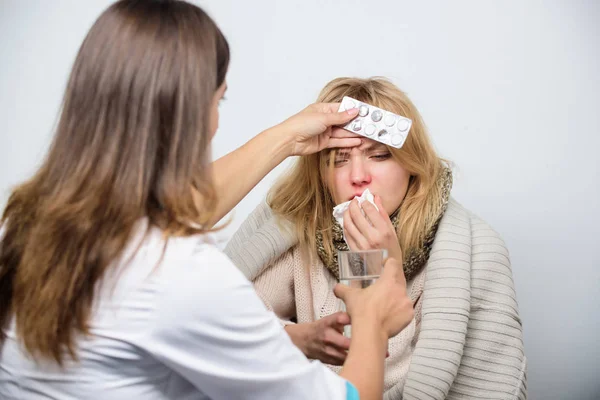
{"x":359,"y":175}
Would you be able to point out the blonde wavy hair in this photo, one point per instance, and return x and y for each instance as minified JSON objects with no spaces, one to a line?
{"x":302,"y":197}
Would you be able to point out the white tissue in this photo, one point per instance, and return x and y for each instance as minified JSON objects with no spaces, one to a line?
{"x":338,"y":211}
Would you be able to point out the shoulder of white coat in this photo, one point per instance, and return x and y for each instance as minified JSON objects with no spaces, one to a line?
{"x":197,"y":279}
{"x":191,"y":263}
{"x":195,"y":251}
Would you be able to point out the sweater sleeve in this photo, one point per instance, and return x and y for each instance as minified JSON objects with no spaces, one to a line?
{"x":470,"y":345}
{"x":275,"y":287}
{"x":260,"y":240}
{"x":493,"y":364}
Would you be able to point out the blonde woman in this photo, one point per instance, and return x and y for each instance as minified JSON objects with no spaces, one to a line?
{"x":466,"y":339}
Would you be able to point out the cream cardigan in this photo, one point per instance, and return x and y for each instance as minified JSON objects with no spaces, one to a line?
{"x":470,"y":342}
{"x":290,"y":289}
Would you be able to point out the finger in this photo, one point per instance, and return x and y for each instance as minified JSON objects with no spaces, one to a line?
{"x":335,"y":319}
{"x":382,"y":211}
{"x":374,"y":216}
{"x":337,"y":340}
{"x":338,"y":319}
{"x":340,"y":118}
{"x":362,"y":224}
{"x":327,"y":107}
{"x":339,"y":326}
{"x":379,"y":205}
{"x":352,"y":243}
{"x":342,"y":318}
{"x":338,"y":132}
{"x":353,"y":234}
{"x":334,"y":356}
{"x":343,"y":142}
{"x":343,"y":292}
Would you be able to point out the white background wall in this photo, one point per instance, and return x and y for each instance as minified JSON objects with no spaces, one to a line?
{"x":510,"y":91}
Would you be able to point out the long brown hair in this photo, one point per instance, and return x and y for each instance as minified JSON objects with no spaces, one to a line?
{"x":132,"y":141}
{"x":302,"y":196}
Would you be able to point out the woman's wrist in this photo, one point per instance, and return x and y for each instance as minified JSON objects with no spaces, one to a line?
{"x":396,"y":254}
{"x":369,"y":321}
{"x":281,"y":141}
{"x":365,"y":363}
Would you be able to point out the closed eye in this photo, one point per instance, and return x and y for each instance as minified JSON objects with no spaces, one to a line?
{"x":341,"y":157}
{"x":340,"y":161}
{"x":381,"y":157}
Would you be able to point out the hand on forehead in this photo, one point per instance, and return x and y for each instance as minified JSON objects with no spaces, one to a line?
{"x":338,"y":132}
{"x":366,"y":144}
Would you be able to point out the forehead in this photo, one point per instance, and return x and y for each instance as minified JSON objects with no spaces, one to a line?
{"x":367,"y":144}
{"x":370,"y":144}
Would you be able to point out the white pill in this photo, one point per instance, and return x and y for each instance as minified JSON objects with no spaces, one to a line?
{"x":397,"y":139}
{"x":357,"y":125}
{"x":363,"y":111}
{"x":376,"y":115}
{"x":370,"y":129}
{"x":389,"y":120}
{"x":403,"y":125}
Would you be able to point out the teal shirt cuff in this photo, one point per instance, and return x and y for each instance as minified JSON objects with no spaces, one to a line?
{"x":351,"y":392}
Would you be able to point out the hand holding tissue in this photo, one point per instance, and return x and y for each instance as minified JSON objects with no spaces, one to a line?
{"x":340,"y":209}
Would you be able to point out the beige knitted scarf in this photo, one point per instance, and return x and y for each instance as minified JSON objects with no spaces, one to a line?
{"x":416,"y":259}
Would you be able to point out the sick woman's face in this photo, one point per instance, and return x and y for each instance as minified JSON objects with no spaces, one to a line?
{"x":368,"y":166}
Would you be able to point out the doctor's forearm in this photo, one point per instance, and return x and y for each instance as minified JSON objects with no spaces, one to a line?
{"x":236,"y":173}
{"x":364,"y":367}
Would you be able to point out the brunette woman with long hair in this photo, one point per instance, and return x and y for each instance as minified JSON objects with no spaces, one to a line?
{"x":110,"y":287}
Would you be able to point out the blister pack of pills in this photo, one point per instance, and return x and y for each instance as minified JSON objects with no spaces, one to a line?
{"x":377,"y":124}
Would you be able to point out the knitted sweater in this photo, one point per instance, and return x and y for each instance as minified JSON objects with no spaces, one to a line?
{"x":290,"y":289}
{"x":470,"y":342}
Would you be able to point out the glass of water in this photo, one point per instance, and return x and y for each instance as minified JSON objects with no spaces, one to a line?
{"x":360,"y":269}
